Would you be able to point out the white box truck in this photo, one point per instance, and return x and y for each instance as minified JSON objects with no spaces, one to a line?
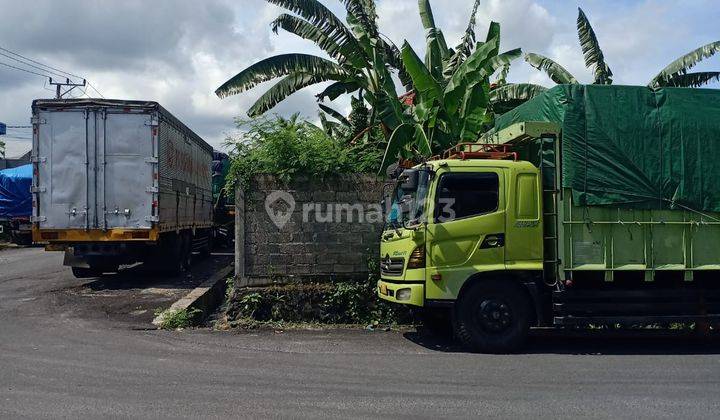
{"x":119,"y":182}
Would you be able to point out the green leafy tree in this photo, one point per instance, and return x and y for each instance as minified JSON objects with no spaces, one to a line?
{"x":452,"y":89}
{"x":675,"y":74}
{"x":361,"y":59}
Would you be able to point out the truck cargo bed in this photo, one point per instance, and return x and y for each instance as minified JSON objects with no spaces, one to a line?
{"x":117,"y":168}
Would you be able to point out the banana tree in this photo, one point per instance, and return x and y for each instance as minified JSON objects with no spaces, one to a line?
{"x":594,"y":57}
{"x":675,"y":74}
{"x":359,"y":56}
{"x":452,"y":90}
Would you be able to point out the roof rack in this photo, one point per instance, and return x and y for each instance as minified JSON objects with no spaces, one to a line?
{"x":463,"y":151}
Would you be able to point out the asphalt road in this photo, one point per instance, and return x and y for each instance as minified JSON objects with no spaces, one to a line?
{"x":72,"y":358}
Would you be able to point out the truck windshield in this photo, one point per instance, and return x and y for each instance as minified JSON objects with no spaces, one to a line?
{"x":408,"y":205}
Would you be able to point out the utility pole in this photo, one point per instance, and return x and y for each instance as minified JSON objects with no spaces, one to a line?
{"x":58,"y":90}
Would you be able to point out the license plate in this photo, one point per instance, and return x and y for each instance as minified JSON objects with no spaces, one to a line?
{"x":25,"y":227}
{"x":383,"y":289}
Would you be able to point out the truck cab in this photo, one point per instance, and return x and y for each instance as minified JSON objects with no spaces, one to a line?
{"x":493,"y":237}
{"x":465,"y":234}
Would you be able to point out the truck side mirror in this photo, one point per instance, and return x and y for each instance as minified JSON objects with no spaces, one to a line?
{"x":409,"y":180}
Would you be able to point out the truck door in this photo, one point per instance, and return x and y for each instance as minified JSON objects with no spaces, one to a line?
{"x":125,"y":158}
{"x":95,"y":168}
{"x":64,"y":154}
{"x":466,"y":231}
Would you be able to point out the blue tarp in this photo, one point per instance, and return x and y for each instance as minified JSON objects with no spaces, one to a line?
{"x":15,"y":196}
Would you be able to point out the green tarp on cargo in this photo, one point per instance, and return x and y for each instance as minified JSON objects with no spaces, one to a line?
{"x":632,"y":146}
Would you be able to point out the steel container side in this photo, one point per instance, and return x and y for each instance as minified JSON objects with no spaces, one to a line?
{"x":184,"y":178}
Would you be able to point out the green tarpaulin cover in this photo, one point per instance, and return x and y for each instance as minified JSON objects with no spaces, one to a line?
{"x":632,"y":146}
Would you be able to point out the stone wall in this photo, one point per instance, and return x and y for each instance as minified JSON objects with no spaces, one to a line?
{"x":307,"y":229}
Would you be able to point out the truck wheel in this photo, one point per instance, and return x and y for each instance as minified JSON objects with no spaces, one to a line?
{"x":177,"y":254}
{"x":84,"y":273}
{"x":493,"y":316}
{"x":186,"y":252}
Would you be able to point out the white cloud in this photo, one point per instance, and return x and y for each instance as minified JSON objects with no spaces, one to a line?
{"x":178,"y":52}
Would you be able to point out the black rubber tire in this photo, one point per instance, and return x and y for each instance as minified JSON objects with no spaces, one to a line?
{"x":175,"y":251}
{"x":470,"y":330}
{"x":84,"y":273}
{"x":186,"y":252}
{"x":208,"y":247}
{"x":22,"y":239}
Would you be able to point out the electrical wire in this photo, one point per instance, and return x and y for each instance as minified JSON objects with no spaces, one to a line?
{"x":25,"y":70}
{"x":39,"y":63}
{"x":32,"y":65}
{"x":44,"y":68}
{"x":96,"y":91}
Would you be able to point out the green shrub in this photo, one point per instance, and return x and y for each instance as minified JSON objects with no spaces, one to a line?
{"x":182,"y":318}
{"x":336,"y":302}
{"x":290,"y":147}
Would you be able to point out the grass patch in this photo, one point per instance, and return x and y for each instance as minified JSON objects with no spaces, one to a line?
{"x":310,"y":305}
{"x":172,"y":319}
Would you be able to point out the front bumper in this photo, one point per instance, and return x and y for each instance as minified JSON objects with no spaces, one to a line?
{"x":389,"y":291}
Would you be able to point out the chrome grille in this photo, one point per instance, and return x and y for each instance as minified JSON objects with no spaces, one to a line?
{"x":392,"y":266}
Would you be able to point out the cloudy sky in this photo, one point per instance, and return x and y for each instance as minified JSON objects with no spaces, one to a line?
{"x":177,"y":52}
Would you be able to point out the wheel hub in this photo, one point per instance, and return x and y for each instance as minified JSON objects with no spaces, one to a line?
{"x":494,"y":315}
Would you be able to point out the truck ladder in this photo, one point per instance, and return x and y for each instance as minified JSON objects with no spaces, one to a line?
{"x":551,"y":191}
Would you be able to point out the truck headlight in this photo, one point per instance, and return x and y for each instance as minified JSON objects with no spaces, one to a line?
{"x":403,"y":294}
{"x":417,"y":258}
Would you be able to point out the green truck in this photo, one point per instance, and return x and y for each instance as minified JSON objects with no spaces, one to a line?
{"x":587,"y":205}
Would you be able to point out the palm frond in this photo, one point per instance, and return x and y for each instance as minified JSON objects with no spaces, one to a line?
{"x":334,"y":44}
{"x":336,"y":89}
{"x":500,"y":61}
{"x":468,"y":42}
{"x":507,"y":97}
{"x":335,"y":114}
{"x":314,"y":12}
{"x":557,"y":73}
{"x":426,"y":14}
{"x":692,"y":79}
{"x":393,"y":56}
{"x":503,"y":74}
{"x":594,"y":58}
{"x":277,"y":66}
{"x":684,"y":63}
{"x":282,"y":89}
{"x":364,"y":12}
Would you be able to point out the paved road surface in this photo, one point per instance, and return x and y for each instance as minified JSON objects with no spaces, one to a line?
{"x":73,"y":358}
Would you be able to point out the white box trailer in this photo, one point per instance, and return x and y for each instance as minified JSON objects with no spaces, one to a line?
{"x":117,"y":182}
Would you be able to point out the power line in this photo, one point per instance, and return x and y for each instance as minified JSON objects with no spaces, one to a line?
{"x":44,"y":68}
{"x":31,"y":65}
{"x":96,"y":91}
{"x":25,"y":70}
{"x":37,"y":62}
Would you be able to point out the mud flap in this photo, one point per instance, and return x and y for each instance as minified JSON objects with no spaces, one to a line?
{"x":71,"y":260}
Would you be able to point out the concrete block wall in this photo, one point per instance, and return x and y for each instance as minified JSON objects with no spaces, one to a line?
{"x":325,"y":233}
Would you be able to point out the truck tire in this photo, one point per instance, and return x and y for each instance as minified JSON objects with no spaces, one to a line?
{"x":493,"y":316}
{"x":177,"y":253}
{"x":84,"y":273}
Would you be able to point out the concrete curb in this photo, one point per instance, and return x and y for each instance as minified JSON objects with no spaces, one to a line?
{"x":205,"y":297}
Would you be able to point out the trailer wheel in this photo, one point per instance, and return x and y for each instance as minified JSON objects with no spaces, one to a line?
{"x":493,"y":316}
{"x":186,"y":252}
{"x":84,"y":273}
